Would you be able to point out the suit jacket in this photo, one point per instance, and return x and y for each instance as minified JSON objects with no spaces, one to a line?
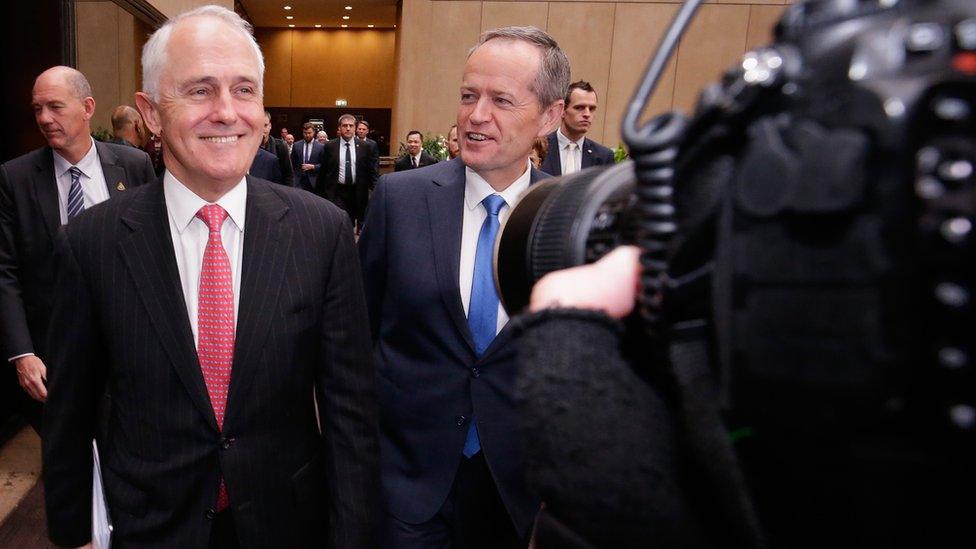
{"x":594,"y":154}
{"x":306,"y":180}
{"x":265,"y":166}
{"x":29,"y":221}
{"x":280,"y":149}
{"x":367,"y":172}
{"x":302,"y":338}
{"x":404,"y":162}
{"x":431,"y":381}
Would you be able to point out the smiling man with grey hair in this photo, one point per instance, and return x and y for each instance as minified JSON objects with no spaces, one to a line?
{"x":452,"y":459}
{"x":224,"y":316}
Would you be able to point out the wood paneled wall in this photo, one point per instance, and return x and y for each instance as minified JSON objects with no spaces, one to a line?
{"x":171,"y":8}
{"x":310,"y":68}
{"x":109,"y":43}
{"x":608,"y":43}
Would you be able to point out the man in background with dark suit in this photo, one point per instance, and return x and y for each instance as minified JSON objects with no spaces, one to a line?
{"x":265,"y":166}
{"x":569,"y":150}
{"x":416,"y":156}
{"x":306,"y":159}
{"x":225,"y":315}
{"x":39,"y":192}
{"x":127,"y":127}
{"x":362,"y":132}
{"x":350,"y":170}
{"x":278,"y":148}
{"x":452,"y":457}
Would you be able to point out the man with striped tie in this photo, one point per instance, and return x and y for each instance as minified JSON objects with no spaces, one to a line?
{"x":39,"y":192}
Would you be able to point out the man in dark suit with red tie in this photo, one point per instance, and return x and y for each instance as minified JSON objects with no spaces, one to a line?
{"x":225,"y":316}
{"x":39,"y":192}
{"x":453,"y":462}
{"x":350,"y":168}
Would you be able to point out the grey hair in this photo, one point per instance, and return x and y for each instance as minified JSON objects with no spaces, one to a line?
{"x":347,"y":115}
{"x":154,"y":56}
{"x":552,"y":81}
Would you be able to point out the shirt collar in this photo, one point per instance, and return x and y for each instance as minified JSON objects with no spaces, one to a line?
{"x":183,"y":204}
{"x":86,"y":164}
{"x":476,"y":188}
{"x":351,"y":140}
{"x":564,"y":141}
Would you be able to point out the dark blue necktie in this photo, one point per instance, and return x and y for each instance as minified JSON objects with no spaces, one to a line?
{"x":483,"y":306}
{"x":76,"y":198}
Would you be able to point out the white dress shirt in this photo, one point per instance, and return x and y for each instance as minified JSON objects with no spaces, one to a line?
{"x":190,"y":236}
{"x":342,"y":159}
{"x":92,"y":180}
{"x":564,"y":151}
{"x":475,"y":190}
{"x":416,"y":159}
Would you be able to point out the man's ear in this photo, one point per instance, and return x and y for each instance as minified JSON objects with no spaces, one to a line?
{"x":149,"y":113}
{"x":551,"y":117}
{"x":89,"y":103}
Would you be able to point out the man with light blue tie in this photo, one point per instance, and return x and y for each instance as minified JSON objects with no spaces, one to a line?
{"x":451,"y":456}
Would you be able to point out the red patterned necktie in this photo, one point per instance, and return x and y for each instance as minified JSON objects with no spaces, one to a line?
{"x":215,"y":322}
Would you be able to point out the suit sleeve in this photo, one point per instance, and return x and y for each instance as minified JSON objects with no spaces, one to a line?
{"x":71,"y":408}
{"x":275,"y":172}
{"x":374,"y":165}
{"x":400,"y":165}
{"x":346,"y":393}
{"x":372,"y":254}
{"x":15,"y":336}
{"x":147,"y":173}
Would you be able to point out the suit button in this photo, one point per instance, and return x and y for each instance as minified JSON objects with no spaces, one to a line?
{"x":210,"y":514}
{"x":475,"y":372}
{"x":225,"y":443}
{"x":460,"y":420}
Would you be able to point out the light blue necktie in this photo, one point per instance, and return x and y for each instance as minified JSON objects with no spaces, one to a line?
{"x":483,"y":307}
{"x":76,"y":199}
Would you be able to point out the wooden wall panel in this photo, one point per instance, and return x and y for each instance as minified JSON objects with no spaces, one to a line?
{"x":458,"y":26}
{"x":584,"y":32}
{"x":505,"y":14}
{"x":414,"y":57}
{"x":715,"y":40}
{"x":276,"y":45}
{"x":129,"y":77}
{"x":97,"y":42}
{"x":306,"y":68}
{"x":636,"y":32}
{"x":171,"y":8}
{"x":762,"y":19}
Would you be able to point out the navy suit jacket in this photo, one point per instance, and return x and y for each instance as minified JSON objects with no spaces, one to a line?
{"x":306,"y":180}
{"x":594,"y":154}
{"x":265,"y":166}
{"x":431,"y":382}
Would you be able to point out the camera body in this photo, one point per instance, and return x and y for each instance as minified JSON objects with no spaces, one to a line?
{"x":810,"y":228}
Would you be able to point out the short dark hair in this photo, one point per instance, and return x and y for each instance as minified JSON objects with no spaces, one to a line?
{"x":364,"y":123}
{"x":578,"y":85}
{"x":411,"y":132}
{"x":308,"y":126}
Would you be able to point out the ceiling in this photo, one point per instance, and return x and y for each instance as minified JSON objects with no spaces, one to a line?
{"x":327,"y":13}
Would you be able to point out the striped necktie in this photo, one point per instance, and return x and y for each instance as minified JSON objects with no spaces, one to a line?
{"x":76,"y":198}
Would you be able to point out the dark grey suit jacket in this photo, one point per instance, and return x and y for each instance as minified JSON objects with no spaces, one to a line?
{"x":431,"y":381}
{"x":302,"y":338}
{"x":29,"y":222}
{"x":265,"y":166}
{"x":594,"y":154}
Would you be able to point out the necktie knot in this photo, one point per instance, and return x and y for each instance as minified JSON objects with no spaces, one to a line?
{"x":213,"y":215}
{"x":75,"y":172}
{"x":493,"y":204}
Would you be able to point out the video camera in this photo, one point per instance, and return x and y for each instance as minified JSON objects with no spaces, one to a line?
{"x":810,"y":231}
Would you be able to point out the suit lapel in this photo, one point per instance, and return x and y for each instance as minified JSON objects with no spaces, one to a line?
{"x":266,"y":248}
{"x":114,"y":174}
{"x":554,"y":156}
{"x":148,"y":254}
{"x":45,"y":189}
{"x":586,"y":160}
{"x":447,"y":195}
